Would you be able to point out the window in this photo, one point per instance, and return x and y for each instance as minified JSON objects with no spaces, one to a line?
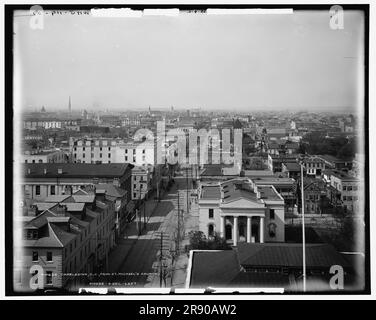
{"x":210,"y":230}
{"x":134,"y":195}
{"x":344,"y":188}
{"x":49,"y":256}
{"x":344,"y":198}
{"x":100,"y":155}
{"x":52,"y":190}
{"x":143,"y":151}
{"x":211,"y":213}
{"x":134,"y":151}
{"x":134,"y":186}
{"x":83,"y":149}
{"x":272,"y":214}
{"x":126,"y":158}
{"x":49,"y":277}
{"x":141,"y":185}
{"x":92,"y":155}
{"x":83,"y":156}
{"x":349,"y":188}
{"x":35,"y":255}
{"x":272,"y":230}
{"x":37,"y":190}
{"x":100,"y":148}
{"x":109,"y":155}
{"x":26,"y":161}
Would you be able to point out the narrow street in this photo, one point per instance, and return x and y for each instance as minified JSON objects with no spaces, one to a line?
{"x":140,"y":266}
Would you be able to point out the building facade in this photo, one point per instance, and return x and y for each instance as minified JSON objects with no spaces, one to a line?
{"x":241,"y":211}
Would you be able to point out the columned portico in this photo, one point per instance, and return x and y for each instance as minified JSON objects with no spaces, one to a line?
{"x":262,"y":229}
{"x":231,"y":228}
{"x":222,"y":226}
{"x":249,"y":229}
{"x":235,"y":236}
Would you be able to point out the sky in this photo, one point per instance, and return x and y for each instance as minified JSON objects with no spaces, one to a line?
{"x":235,"y":62}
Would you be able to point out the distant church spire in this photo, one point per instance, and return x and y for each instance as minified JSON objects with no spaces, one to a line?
{"x":70,"y":105}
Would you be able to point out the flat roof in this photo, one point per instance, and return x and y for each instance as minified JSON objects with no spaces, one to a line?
{"x":75,"y":169}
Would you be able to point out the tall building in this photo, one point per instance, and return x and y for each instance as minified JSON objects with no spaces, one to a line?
{"x":70,"y":105}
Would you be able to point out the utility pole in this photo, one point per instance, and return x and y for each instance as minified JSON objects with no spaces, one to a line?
{"x":303,"y":231}
{"x":178,"y":237}
{"x":160,"y":261}
{"x":187,"y":190}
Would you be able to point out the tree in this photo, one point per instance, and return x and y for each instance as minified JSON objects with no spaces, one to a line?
{"x":197,"y":240}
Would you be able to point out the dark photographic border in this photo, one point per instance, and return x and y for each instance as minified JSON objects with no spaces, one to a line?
{"x":8,"y":109}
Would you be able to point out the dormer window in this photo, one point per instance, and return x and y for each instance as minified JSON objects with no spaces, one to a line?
{"x":32,"y":234}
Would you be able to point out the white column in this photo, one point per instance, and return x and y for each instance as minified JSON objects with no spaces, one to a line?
{"x":235,"y":231}
{"x":249,"y":229}
{"x":222,"y":226}
{"x":262,"y":229}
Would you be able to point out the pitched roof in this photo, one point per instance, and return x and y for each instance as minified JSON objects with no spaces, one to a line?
{"x":289,"y":255}
{"x":213,"y":268}
{"x":112,"y":190}
{"x":292,"y":166}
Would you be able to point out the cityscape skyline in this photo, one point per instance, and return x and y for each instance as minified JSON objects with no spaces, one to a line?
{"x":213,"y":61}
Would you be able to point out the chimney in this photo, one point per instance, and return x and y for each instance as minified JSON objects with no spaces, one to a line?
{"x":33,"y":210}
{"x":61,"y":209}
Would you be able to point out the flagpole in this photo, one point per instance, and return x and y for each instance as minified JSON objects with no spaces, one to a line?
{"x":303,"y":230}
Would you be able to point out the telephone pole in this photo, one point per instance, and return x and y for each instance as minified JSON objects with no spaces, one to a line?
{"x":178,"y":236}
{"x":187,"y":182}
{"x":303,"y":231}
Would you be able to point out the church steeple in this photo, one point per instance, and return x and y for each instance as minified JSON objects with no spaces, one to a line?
{"x":70,"y":105}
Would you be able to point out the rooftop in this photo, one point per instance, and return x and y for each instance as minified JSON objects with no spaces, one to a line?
{"x":289,"y":255}
{"x":37,"y":170}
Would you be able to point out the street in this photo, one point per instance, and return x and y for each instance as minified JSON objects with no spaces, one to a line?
{"x":136,"y":260}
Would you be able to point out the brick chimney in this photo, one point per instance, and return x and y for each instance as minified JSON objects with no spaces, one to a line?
{"x":61,"y":209}
{"x":33,"y":210}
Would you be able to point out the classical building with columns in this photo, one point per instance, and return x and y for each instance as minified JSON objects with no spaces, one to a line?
{"x":241,"y":211}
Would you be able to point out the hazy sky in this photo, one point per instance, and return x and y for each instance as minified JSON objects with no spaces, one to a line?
{"x":194,"y":60}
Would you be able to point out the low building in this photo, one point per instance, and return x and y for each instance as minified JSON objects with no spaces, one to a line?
{"x":315,"y":195}
{"x":291,"y":170}
{"x":45,"y":179}
{"x":44,"y":156}
{"x":315,"y":165}
{"x":346,"y":190}
{"x":269,"y":267}
{"x":241,"y":211}
{"x":62,"y":237}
